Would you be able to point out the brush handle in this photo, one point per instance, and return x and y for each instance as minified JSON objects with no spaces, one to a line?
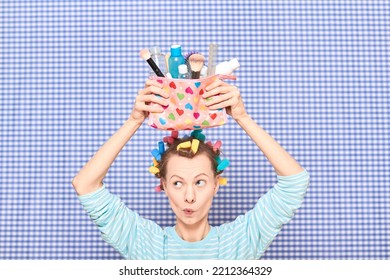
{"x":195,"y":75}
{"x":155,"y":67}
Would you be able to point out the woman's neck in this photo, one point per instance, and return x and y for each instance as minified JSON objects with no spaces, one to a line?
{"x":192,"y":233}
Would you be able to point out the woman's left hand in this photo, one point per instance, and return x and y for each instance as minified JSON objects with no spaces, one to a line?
{"x":223,"y":95}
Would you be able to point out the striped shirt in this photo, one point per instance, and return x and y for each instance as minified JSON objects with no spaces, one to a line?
{"x":247,"y":237}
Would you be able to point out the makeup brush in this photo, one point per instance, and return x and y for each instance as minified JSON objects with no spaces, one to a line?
{"x":145,"y":55}
{"x":186,"y":57}
{"x":196,"y":61}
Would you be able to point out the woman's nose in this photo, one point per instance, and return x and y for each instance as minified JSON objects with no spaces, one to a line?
{"x":190,"y":195}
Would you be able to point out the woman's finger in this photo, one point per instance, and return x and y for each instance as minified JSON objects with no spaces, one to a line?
{"x":153,"y":99}
{"x":150,"y":89}
{"x":153,"y":90}
{"x":224,"y":104}
{"x":218,"y":90}
{"x":150,"y":82}
{"x":218,"y":99}
{"x":146,"y":102}
{"x":214,"y":84}
{"x":151,"y":108}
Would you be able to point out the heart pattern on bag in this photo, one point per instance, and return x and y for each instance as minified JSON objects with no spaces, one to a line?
{"x":180,"y":112}
{"x":172,"y":85}
{"x":180,"y":96}
{"x":186,"y":109}
{"x":189,"y":90}
{"x":213,"y":116}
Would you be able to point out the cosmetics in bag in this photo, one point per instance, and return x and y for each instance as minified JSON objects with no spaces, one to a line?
{"x":175,"y":59}
{"x":227,"y":67}
{"x":213,"y":50}
{"x":158,"y":58}
{"x":183,"y":72}
{"x":145,"y":55}
{"x":203,"y":72}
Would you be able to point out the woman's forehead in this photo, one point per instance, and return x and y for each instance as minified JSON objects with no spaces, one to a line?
{"x":189,"y":167}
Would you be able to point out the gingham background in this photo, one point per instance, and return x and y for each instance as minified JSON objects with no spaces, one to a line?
{"x":314,"y":74}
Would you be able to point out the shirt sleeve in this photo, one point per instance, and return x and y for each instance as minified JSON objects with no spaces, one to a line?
{"x":275,"y":208}
{"x":131,"y":235}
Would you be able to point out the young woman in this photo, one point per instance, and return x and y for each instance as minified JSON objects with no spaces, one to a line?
{"x":189,"y":172}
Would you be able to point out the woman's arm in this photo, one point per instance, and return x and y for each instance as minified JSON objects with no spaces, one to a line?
{"x":283,"y":163}
{"x":90,"y":177}
{"x":224,"y":95}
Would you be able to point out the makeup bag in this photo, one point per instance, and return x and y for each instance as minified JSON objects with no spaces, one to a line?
{"x":187,"y":109}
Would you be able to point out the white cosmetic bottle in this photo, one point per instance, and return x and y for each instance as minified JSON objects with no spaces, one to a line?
{"x":183,"y":72}
{"x":227,"y":67}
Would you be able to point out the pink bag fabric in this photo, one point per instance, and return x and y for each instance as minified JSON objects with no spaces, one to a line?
{"x":187,"y":109}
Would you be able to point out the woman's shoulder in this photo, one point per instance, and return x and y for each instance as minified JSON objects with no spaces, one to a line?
{"x":236,"y":225}
{"x":149,"y":225}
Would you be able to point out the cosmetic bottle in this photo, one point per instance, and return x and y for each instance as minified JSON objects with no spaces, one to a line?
{"x":158,"y":58}
{"x":227,"y":67}
{"x":175,"y":60}
{"x":183,"y":72}
{"x":203,"y":71}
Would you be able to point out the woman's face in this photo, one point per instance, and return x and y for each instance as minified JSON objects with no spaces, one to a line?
{"x":190,"y":185}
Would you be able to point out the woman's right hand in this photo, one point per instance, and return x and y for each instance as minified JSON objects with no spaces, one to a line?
{"x":145,"y":99}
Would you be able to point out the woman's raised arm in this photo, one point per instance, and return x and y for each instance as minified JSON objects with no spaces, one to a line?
{"x":90,"y":177}
{"x":223,"y":95}
{"x":283,"y":163}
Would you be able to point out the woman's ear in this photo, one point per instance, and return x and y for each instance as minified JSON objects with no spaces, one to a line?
{"x":216,"y":186}
{"x":163,"y":185}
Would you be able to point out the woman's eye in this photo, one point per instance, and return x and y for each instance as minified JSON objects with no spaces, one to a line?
{"x":201,"y":183}
{"x":177,"y":184}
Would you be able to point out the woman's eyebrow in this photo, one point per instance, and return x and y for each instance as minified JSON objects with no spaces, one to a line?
{"x":195,"y":176}
{"x":202,"y":174}
{"x":176,"y":176}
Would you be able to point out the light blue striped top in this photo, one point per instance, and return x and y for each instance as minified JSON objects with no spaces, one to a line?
{"x":247,"y":237}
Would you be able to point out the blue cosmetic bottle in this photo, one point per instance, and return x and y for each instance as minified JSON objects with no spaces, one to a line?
{"x":175,"y":60}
